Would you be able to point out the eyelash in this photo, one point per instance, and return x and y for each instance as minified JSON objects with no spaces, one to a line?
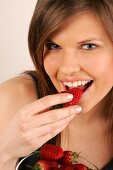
{"x":52,"y":46}
{"x":89,"y":46}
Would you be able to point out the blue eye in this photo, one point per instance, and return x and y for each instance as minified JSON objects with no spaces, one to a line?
{"x":52,"y":46}
{"x":89,"y":46}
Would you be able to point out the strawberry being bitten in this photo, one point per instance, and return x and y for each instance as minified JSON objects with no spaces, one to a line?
{"x":77,"y":93}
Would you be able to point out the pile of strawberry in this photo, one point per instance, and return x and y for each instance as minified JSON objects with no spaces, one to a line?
{"x":52,"y":157}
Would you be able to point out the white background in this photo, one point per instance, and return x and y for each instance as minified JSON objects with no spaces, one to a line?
{"x":15,"y":16}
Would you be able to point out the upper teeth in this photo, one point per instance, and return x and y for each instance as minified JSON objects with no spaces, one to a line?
{"x":76,"y":83}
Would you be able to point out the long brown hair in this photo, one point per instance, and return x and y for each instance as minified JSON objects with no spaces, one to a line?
{"x":47,"y":18}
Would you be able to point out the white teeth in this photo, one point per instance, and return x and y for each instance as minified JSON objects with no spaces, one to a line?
{"x":83,"y":82}
{"x":79,"y":83}
{"x":76,"y":83}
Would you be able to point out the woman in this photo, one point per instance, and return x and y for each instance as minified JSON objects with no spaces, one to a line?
{"x":71,"y":44}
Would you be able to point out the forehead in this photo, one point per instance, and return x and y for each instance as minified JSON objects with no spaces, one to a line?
{"x":82,"y":25}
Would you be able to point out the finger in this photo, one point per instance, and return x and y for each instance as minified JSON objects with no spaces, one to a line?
{"x":46,"y":102}
{"x":43,"y":139}
{"x":54,"y":115}
{"x":49,"y":128}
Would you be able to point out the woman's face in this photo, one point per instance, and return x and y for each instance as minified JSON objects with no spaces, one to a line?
{"x":80,"y":51}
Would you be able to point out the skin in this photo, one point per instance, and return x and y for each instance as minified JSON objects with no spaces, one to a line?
{"x":76,"y":59}
{"x":22,"y":127}
{"x":82,"y":50}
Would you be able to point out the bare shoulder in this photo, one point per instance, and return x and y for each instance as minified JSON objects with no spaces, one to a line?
{"x":19,"y":90}
{"x":14,"y":94}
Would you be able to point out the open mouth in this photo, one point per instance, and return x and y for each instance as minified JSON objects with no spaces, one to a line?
{"x":83,"y":86}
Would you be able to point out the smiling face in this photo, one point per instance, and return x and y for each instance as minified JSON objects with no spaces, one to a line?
{"x":78,"y":52}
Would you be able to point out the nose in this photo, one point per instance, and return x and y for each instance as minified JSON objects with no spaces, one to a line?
{"x":70,"y":64}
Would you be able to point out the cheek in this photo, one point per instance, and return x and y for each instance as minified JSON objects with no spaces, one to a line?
{"x":105,"y":69}
{"x":50,"y":66}
{"x":100,"y":67}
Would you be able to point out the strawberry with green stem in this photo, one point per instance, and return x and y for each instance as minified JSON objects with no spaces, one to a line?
{"x":45,"y":165}
{"x":69,"y":158}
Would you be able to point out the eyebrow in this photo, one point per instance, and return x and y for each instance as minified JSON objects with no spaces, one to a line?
{"x":90,"y":40}
{"x":81,"y":42}
{"x":50,"y":41}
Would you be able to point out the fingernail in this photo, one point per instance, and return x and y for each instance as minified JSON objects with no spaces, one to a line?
{"x":78,"y":109}
{"x":69,"y":97}
{"x":75,"y":110}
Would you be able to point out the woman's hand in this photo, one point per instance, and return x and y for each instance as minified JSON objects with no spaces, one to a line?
{"x":35,"y":124}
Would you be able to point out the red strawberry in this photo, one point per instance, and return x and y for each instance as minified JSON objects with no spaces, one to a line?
{"x":80,"y":167}
{"x":68,"y":167}
{"x":68,"y":158}
{"x":51,"y":152}
{"x":45,"y":165}
{"x":77,"y":93}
